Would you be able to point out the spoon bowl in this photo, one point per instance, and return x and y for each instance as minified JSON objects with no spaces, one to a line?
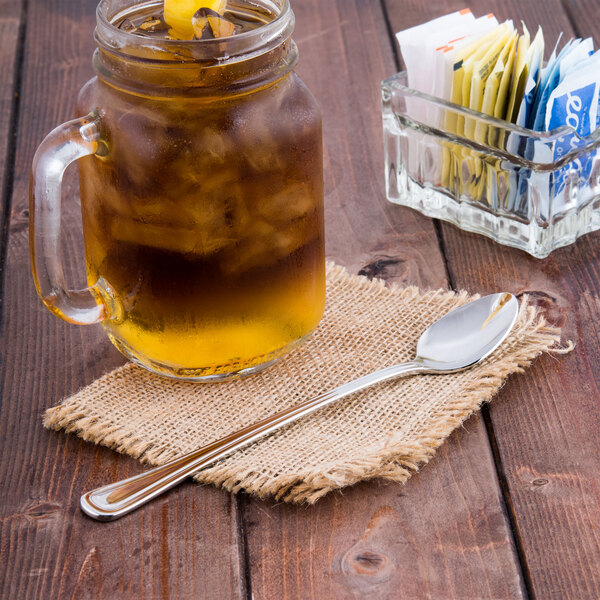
{"x":457,"y":341}
{"x":468,"y":334}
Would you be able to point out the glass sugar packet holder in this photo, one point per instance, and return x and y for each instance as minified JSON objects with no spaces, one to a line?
{"x":532,"y":190}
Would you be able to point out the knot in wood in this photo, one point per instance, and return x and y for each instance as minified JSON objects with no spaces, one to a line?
{"x":42,"y":510}
{"x":548,"y":305}
{"x":369,"y":562}
{"x":381,"y":267}
{"x":366,"y":562}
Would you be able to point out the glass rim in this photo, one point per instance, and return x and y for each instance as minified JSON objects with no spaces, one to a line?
{"x":393,"y":83}
{"x":265,"y":36}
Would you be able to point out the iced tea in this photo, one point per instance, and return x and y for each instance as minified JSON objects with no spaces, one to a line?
{"x":203,"y":214}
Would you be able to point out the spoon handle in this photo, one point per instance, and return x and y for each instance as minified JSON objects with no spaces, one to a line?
{"x":117,"y":499}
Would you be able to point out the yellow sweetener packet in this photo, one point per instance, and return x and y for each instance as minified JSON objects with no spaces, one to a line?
{"x":462,"y":95}
{"x":496,"y":86}
{"x":520,"y":73}
{"x":459,"y":59}
{"x":489,"y":174}
{"x":498,"y":138}
{"x":453,"y":122}
{"x":463,"y":71}
{"x":482,"y":67}
{"x":477,"y":71}
{"x":502,"y":93}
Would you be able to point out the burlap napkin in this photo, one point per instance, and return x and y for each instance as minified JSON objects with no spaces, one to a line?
{"x":387,"y":431}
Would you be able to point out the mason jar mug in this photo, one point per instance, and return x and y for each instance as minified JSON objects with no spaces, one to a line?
{"x":201,"y":183}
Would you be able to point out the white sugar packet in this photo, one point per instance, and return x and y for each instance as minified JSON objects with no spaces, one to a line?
{"x":424,"y":50}
{"x":412,"y":42}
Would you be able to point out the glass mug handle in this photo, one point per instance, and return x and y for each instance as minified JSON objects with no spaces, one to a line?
{"x":62,"y":146}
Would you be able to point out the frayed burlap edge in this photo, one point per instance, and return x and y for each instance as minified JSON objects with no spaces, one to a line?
{"x":397,"y":461}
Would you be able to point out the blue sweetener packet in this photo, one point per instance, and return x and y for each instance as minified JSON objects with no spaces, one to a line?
{"x":536,"y":150}
{"x":575,"y":102}
{"x":543,"y":77}
{"x":535,"y":56}
{"x":549,"y":110}
{"x":573,"y":53}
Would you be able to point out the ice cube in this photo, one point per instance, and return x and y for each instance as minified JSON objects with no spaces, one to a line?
{"x":153,"y":24}
{"x":210,"y":24}
{"x":287,"y":205}
{"x":255,"y":250}
{"x":127,"y":25}
{"x":165,"y":237}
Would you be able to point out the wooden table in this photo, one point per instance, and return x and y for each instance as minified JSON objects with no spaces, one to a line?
{"x":508,"y":508}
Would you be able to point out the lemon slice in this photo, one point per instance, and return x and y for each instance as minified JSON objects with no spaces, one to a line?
{"x":178,"y":14}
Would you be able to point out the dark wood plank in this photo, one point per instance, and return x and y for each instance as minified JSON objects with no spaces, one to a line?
{"x":546,"y":423}
{"x":584,"y":16}
{"x":10,"y":23}
{"x":444,"y":534}
{"x":186,"y":545}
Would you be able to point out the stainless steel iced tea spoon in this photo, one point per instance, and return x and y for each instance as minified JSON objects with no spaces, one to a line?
{"x":457,"y":341}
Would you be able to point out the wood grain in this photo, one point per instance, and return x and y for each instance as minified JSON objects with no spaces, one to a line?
{"x":584,"y":16}
{"x":547,"y":433}
{"x":342,"y":60}
{"x":186,"y":545}
{"x":10,"y":25}
{"x":444,"y":534}
{"x":545,"y":424}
